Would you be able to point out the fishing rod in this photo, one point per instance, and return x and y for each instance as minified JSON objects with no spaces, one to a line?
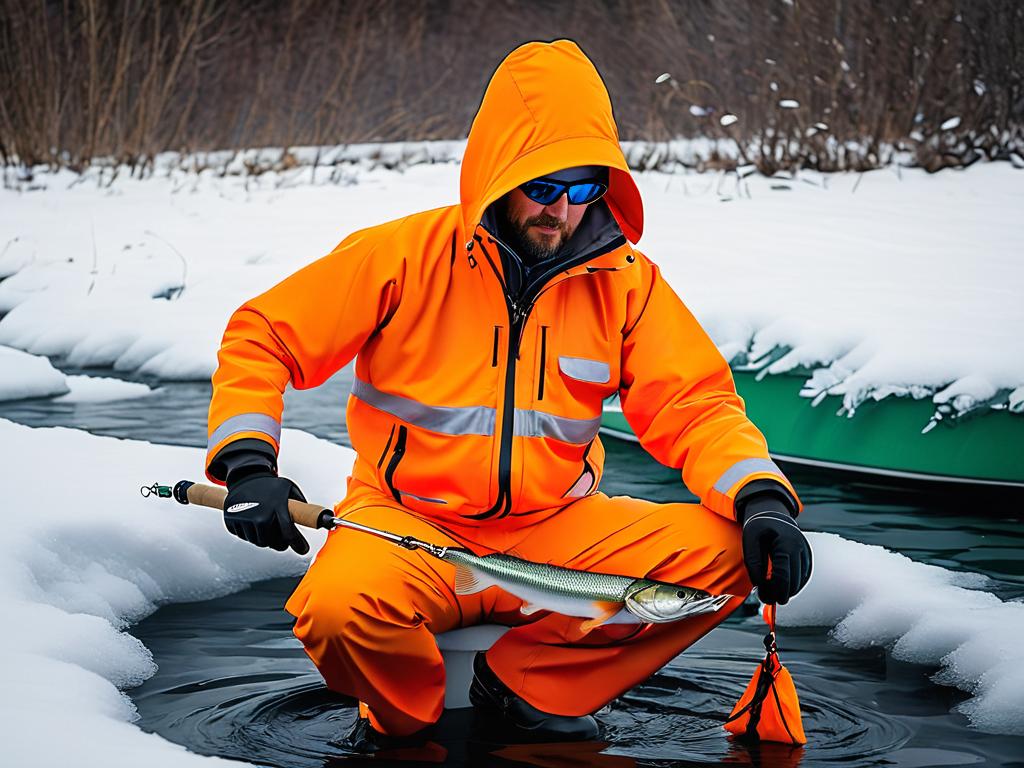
{"x":596,"y":597}
{"x":302,"y":513}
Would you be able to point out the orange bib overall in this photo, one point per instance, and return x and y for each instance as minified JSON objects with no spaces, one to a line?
{"x":475,"y":414}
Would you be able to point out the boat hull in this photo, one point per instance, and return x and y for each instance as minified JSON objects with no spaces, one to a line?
{"x":884,"y":438}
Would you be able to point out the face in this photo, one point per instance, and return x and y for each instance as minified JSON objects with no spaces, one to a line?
{"x":542,"y":229}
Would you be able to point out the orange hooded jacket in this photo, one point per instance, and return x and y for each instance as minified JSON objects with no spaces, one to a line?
{"x":471,"y":405}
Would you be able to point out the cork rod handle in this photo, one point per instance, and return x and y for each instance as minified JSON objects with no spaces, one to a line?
{"x":302,"y":513}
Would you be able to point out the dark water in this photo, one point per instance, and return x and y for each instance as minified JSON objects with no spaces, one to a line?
{"x":233,"y":682}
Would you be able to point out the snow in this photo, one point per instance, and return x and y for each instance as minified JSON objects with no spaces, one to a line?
{"x":101,"y":389}
{"x":23,"y":375}
{"x":868,"y":285}
{"x":935,"y":617}
{"x":864,"y":285}
{"x":81,"y":565}
{"x":71,"y":586}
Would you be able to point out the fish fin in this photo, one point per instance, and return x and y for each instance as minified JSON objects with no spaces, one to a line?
{"x":467,"y":582}
{"x":577,"y":632}
{"x":528,"y":608}
{"x":606,"y":611}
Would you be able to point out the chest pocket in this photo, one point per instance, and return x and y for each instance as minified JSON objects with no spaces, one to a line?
{"x":585,"y":370}
{"x":587,"y":380}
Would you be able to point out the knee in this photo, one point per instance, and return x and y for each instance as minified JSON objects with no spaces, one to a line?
{"x":709,"y":554}
{"x":329,"y":615}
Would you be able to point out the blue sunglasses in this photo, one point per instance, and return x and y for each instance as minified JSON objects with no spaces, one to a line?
{"x":546,"y":191}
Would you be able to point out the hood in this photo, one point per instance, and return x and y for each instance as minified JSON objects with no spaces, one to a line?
{"x":545,"y":109}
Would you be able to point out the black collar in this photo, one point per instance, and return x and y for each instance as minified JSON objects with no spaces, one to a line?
{"x":596,"y":231}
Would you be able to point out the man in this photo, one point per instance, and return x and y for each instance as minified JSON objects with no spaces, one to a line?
{"x":487,"y":336}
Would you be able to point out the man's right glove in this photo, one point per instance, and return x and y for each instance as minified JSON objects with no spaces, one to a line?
{"x":256,"y":509}
{"x":771,"y":534}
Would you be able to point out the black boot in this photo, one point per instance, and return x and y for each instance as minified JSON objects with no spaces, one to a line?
{"x":364,"y":739}
{"x":492,"y":696}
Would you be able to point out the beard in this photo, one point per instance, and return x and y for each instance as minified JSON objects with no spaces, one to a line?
{"x":533,"y":248}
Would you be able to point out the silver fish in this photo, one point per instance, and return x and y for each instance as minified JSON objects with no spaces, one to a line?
{"x":602,"y":598}
{"x":598,"y":598}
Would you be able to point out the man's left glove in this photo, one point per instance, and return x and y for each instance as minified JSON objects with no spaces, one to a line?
{"x":256,"y":509}
{"x":770,"y":534}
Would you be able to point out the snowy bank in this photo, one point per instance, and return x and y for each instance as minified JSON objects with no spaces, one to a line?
{"x":868,"y":286}
{"x":894,"y":282}
{"x":332,"y":163}
{"x":88,"y":556}
{"x":81,"y":566}
{"x":23,"y":375}
{"x":925,"y":615}
{"x":101,"y":389}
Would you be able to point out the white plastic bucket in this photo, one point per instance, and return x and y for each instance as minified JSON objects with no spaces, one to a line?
{"x":458,"y":648}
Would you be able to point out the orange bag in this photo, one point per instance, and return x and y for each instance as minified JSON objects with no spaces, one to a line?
{"x":769,"y":709}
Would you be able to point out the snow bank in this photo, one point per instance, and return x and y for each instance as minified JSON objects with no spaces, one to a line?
{"x":889,"y":283}
{"x":924,"y":614}
{"x":868,"y":285}
{"x":332,"y":164}
{"x":143,"y":276}
{"x":23,"y":375}
{"x":101,"y":389}
{"x":87,"y":556}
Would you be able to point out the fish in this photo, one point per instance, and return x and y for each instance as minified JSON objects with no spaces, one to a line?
{"x":597,"y":598}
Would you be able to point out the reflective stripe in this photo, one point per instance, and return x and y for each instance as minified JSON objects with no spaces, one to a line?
{"x":246,"y":422}
{"x":540,"y":424}
{"x":476,"y":419}
{"x":582,"y":369}
{"x":448,"y":420}
{"x":741,"y":469}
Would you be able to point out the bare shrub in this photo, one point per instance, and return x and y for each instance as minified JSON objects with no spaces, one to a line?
{"x":828,"y":84}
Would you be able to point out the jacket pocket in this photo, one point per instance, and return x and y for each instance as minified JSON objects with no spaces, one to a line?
{"x":585,"y":369}
{"x":588,"y":381}
{"x":389,"y":474}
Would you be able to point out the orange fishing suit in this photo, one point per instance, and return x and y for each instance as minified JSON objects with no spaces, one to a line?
{"x":475,"y":414}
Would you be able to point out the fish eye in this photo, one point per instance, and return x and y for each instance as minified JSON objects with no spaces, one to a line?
{"x":680,"y":594}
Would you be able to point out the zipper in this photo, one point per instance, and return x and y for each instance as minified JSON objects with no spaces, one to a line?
{"x":396,"y":457}
{"x":543,"y":360}
{"x":519,"y":308}
{"x":503,"y":503}
{"x":494,"y":349}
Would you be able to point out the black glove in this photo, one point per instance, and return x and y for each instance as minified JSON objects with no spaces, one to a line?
{"x":770,"y":532}
{"x":256,"y":509}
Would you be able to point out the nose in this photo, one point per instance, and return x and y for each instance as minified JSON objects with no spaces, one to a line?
{"x":560,"y":208}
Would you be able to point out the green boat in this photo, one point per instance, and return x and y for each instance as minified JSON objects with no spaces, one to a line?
{"x":884,"y":438}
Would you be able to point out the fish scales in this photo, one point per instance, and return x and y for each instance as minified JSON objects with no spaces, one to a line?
{"x":553,"y":579}
{"x":601,"y":597}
